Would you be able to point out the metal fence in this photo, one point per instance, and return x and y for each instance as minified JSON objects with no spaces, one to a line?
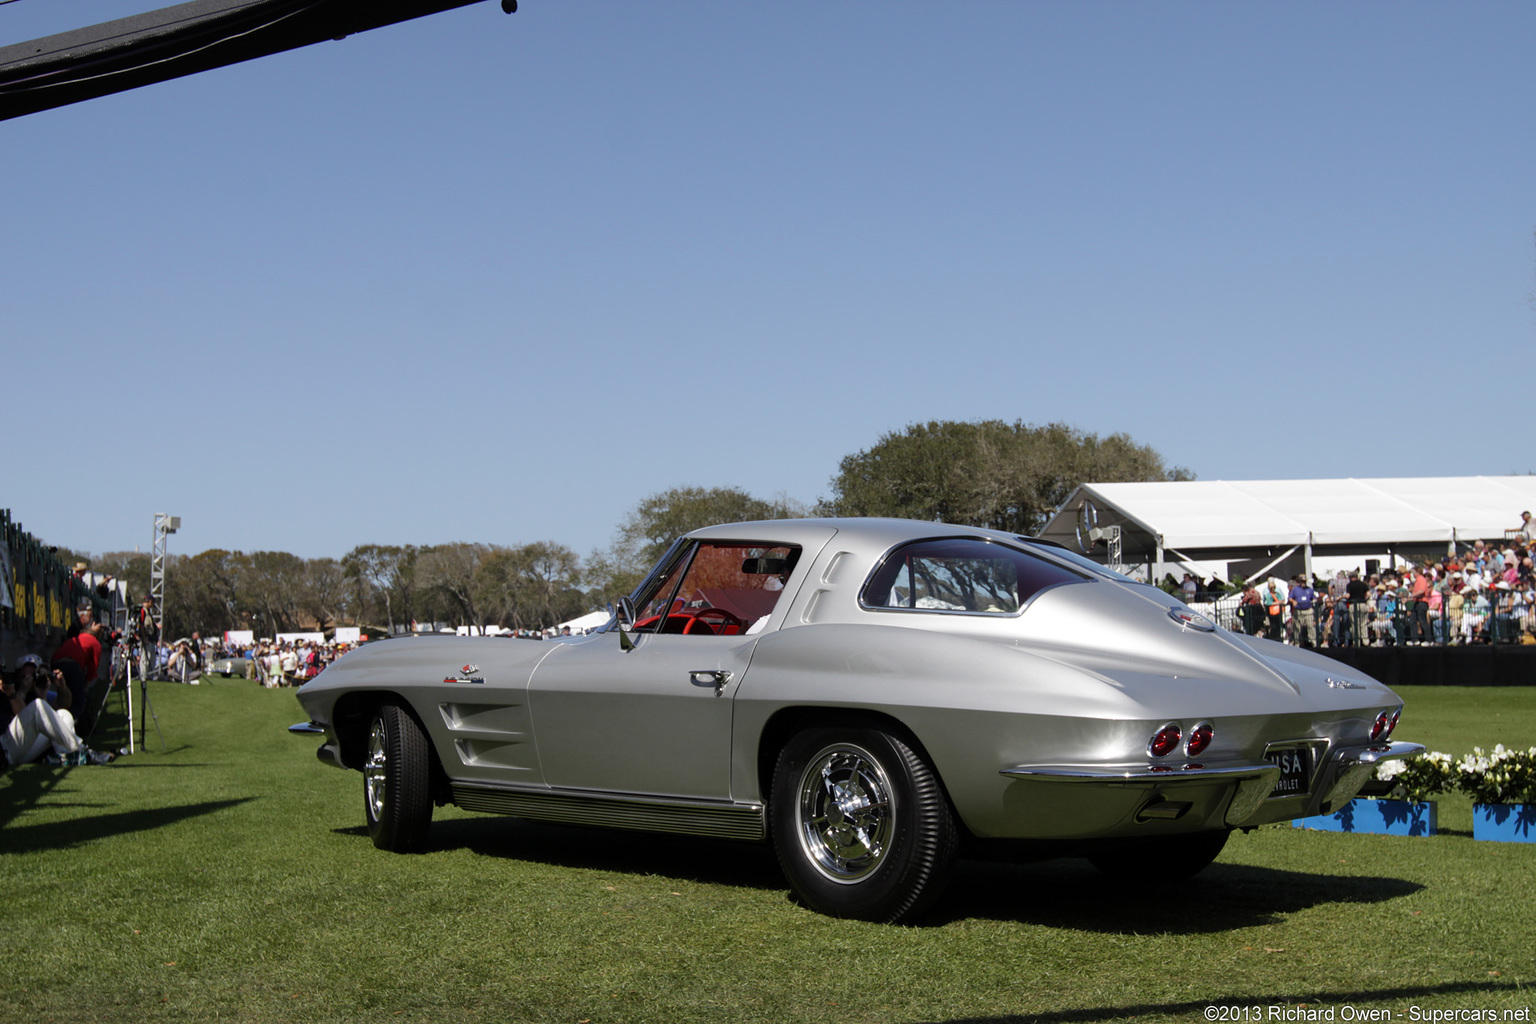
{"x":1506,"y":620}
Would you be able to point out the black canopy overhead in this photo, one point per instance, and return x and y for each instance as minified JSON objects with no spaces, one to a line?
{"x":174,"y":41}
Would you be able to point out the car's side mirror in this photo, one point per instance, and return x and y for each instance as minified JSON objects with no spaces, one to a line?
{"x":624,"y":610}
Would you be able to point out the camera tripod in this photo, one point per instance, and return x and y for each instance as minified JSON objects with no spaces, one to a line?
{"x":146,"y":708}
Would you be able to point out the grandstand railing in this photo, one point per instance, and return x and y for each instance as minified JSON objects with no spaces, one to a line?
{"x":38,"y":594}
{"x":1507,"y":622}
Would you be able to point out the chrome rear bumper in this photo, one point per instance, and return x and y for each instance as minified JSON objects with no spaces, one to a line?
{"x":1337,"y":777}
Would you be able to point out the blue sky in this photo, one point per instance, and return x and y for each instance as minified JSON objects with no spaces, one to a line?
{"x":492,"y":278}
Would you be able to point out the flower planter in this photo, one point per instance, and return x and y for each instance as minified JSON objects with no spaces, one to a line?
{"x":1504,"y":823}
{"x":1378,"y":817}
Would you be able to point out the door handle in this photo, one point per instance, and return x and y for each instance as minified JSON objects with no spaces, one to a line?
{"x":716,"y":677}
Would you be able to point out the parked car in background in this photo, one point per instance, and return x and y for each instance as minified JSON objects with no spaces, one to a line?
{"x":873,"y":697}
{"x":226,"y":667}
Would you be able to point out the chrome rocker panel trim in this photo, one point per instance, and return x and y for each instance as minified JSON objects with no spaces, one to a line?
{"x":683,"y":817}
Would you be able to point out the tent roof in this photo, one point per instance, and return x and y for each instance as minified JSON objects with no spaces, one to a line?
{"x":1229,"y":514}
{"x":591,"y":620}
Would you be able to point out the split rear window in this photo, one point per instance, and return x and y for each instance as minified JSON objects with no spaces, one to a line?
{"x":961,"y":574}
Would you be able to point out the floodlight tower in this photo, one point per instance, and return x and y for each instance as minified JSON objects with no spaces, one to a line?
{"x":164,"y":526}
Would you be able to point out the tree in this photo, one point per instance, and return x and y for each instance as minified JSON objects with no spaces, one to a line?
{"x":203,"y":592}
{"x":988,"y":473}
{"x":663,"y":517}
{"x":384,"y":572}
{"x":131,"y":566}
{"x":323,"y":594}
{"x":272,"y":582}
{"x":531,"y":586}
{"x":447,"y":573}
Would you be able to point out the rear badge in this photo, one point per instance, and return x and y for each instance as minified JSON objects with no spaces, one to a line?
{"x":1344,"y":684}
{"x":1191,"y":619}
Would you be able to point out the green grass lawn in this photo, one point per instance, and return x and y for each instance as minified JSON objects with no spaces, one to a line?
{"x":229,"y":878}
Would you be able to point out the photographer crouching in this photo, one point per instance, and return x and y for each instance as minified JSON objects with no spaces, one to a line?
{"x":35,"y":716}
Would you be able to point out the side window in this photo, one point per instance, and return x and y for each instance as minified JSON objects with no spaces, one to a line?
{"x":718,"y":590}
{"x":961,"y":575}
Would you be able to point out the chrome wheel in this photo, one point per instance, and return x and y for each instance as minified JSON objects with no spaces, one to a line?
{"x":375,"y":782}
{"x":860,"y":822}
{"x":845,"y":813}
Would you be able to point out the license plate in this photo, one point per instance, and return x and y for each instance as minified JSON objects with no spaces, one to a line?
{"x":1295,"y":764}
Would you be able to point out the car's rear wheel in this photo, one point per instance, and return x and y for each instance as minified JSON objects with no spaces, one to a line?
{"x":860,"y":823}
{"x":1162,"y":860}
{"x":397,"y":796}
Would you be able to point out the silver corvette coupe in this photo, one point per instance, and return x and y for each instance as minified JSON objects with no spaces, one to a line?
{"x":873,"y":697}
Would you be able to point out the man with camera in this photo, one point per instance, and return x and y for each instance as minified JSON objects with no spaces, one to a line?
{"x":146,"y":630}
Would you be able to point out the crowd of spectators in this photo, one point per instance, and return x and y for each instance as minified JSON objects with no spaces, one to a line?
{"x":291,"y":663}
{"x":45,"y":705}
{"x":1486,"y":594}
{"x":273,"y":663}
{"x":46,"y":699}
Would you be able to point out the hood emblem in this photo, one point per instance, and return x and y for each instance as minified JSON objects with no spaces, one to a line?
{"x":467,"y":674}
{"x":1344,"y":684}
{"x":1191,"y":619}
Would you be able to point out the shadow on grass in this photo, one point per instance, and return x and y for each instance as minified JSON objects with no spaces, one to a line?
{"x":61,"y":835}
{"x":1364,"y":999}
{"x":1065,"y":893}
{"x":123,"y":762}
{"x":25,"y":786}
{"x":1069,"y":893}
{"x":686,"y":858}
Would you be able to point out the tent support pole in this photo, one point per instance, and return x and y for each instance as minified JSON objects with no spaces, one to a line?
{"x":1283,"y":556}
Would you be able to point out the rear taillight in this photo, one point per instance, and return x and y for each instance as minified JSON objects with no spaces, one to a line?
{"x":1199,"y":739}
{"x":1393,"y":724}
{"x":1381,"y":727}
{"x":1165,"y":741}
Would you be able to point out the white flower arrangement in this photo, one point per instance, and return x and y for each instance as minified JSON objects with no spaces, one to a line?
{"x":1502,"y":777}
{"x":1421,"y":777}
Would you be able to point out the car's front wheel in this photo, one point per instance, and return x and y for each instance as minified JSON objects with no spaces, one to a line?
{"x":860,"y":823}
{"x":397,"y":795}
{"x":1167,"y":859}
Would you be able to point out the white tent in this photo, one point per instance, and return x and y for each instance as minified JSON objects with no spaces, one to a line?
{"x":581,"y":623}
{"x":1252,"y":519}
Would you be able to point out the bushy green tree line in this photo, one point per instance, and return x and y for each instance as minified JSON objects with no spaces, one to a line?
{"x":1003,"y":476}
{"x":1006,"y":476}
